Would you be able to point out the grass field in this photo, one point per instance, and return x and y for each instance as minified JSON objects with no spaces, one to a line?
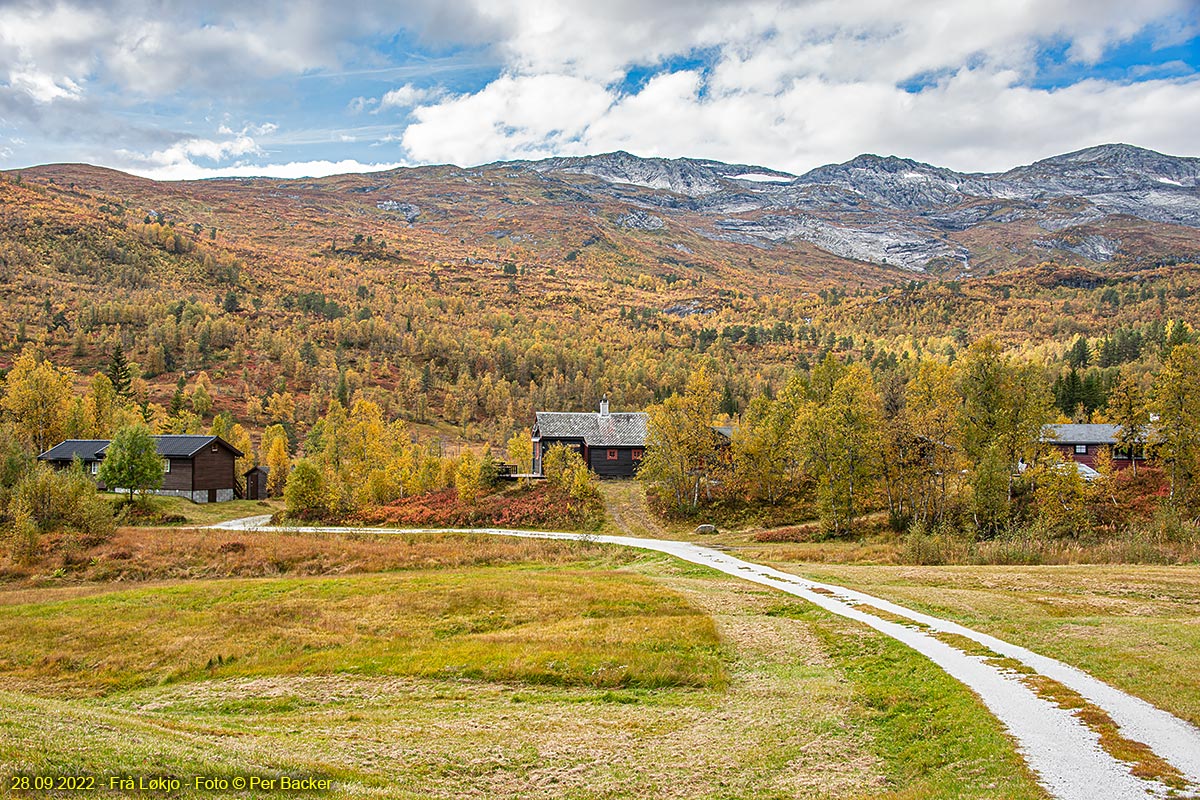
{"x":537,"y":669}
{"x":568,"y":627}
{"x":179,"y":511}
{"x":1136,"y":627}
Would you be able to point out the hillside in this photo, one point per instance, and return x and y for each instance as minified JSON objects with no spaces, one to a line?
{"x":463,"y":299}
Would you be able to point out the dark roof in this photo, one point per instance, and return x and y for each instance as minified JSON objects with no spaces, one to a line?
{"x":597,"y":430}
{"x":1095,"y":433}
{"x":169,"y":446}
{"x":85,"y":449}
{"x":265,"y":470}
{"x":186,"y":446}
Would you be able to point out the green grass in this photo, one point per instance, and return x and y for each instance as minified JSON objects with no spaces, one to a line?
{"x":1131,"y":626}
{"x":568,"y":627}
{"x":198,"y":513}
{"x":934,"y":737}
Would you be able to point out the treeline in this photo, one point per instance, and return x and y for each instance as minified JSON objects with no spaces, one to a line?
{"x":458,"y":350}
{"x":353,"y":458}
{"x":934,"y":445}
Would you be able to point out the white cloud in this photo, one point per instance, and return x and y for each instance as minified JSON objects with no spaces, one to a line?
{"x":188,"y":171}
{"x":513,"y":117}
{"x":43,"y":88}
{"x":976,"y":119}
{"x":180,"y":157}
{"x":404,"y":97}
{"x":863,"y":39}
{"x":809,"y":83}
{"x":788,"y":84}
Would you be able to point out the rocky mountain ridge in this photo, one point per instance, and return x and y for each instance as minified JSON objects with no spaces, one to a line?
{"x":901,"y":212}
{"x":864,"y":219}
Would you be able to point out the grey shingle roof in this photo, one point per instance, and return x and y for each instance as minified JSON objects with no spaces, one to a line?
{"x":1095,"y":433}
{"x":85,"y":449}
{"x":597,"y":430}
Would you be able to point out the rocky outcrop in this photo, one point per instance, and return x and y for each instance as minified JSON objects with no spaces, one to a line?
{"x":1093,"y":247}
{"x":406,"y":210}
{"x":641,"y":221}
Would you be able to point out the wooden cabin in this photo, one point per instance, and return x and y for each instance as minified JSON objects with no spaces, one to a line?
{"x":610,"y":444}
{"x":200,"y":468}
{"x":1082,"y":443}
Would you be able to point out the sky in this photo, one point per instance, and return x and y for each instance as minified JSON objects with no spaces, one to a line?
{"x":183,"y":90}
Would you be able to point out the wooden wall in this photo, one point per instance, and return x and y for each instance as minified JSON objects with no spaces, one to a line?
{"x":213,"y":470}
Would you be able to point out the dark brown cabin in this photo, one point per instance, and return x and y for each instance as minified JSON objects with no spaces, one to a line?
{"x":201,"y":468}
{"x":610,"y":444}
{"x":1082,"y":443}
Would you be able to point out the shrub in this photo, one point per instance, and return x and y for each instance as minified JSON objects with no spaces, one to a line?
{"x":565,"y":470}
{"x":306,"y":494}
{"x":542,"y":506}
{"x":46,"y":500}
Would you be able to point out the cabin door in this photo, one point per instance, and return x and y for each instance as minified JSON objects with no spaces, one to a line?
{"x":212,"y":495}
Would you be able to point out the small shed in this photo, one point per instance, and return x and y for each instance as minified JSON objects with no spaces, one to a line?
{"x":256,"y":483}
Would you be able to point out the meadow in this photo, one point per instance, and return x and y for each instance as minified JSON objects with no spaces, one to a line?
{"x":451,"y":666}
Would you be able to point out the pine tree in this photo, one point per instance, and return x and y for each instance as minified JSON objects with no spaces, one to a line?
{"x":118,"y":372}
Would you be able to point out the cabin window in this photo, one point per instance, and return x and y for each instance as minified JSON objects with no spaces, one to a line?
{"x":1081,"y":449}
{"x":95,"y":467}
{"x":612,"y":455}
{"x":637,"y":455}
{"x":166,"y":465}
{"x":214,"y":447}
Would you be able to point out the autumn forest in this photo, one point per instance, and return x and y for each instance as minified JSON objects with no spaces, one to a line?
{"x":389,"y":360}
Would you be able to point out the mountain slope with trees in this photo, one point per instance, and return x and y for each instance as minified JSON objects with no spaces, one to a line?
{"x":455,"y":302}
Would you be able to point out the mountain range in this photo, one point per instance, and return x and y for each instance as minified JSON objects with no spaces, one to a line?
{"x":868,"y":218}
{"x":890,"y":210}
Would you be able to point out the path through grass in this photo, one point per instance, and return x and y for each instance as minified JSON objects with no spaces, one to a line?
{"x":1134,"y":627}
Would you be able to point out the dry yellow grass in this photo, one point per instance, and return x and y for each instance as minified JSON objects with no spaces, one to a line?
{"x":541,"y":676}
{"x":137,"y":554}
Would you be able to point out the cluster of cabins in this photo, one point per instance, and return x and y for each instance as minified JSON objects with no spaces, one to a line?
{"x":203,"y":469}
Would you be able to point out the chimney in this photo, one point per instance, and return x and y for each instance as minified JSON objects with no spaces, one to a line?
{"x":604,"y":406}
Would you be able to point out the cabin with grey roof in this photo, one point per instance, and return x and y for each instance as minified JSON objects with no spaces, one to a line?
{"x":1082,"y":443}
{"x":611,"y":444}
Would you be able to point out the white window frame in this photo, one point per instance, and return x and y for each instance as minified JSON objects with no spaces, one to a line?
{"x":94,"y":467}
{"x":166,"y":466}
{"x":1081,"y":449}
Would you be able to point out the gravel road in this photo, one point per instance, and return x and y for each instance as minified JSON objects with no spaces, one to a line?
{"x":1064,"y":752}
